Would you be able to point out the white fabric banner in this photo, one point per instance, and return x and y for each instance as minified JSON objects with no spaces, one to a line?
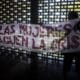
{"x":34,"y":37}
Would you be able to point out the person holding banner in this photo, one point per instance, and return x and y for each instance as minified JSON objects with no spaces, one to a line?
{"x":68,"y":57}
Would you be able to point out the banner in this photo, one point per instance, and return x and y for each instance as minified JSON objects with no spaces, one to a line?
{"x":47,"y":37}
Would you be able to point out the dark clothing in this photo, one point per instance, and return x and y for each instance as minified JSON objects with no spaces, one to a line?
{"x":68,"y":59}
